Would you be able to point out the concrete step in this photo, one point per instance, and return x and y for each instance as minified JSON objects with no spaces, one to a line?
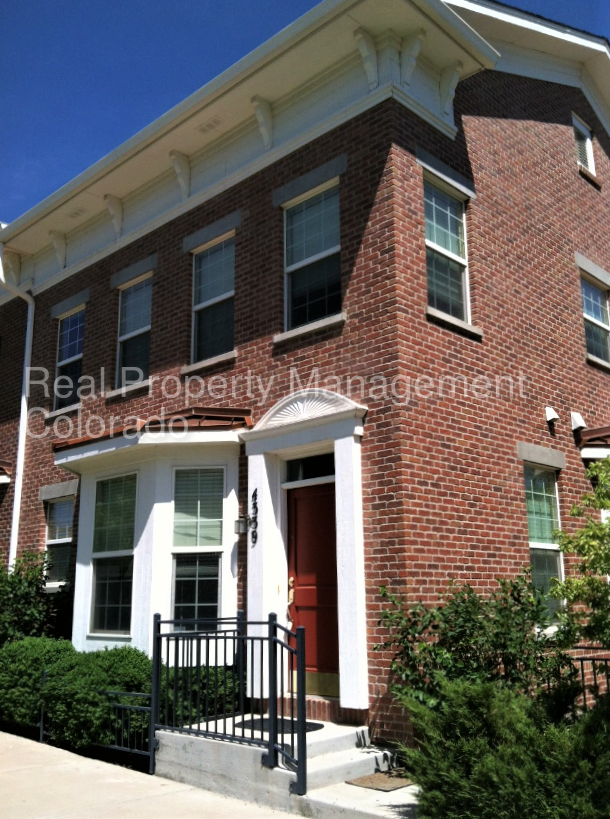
{"x":343,"y":766}
{"x":335,"y":738}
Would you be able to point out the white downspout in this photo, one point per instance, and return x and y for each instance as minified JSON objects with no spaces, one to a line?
{"x":23,"y":415}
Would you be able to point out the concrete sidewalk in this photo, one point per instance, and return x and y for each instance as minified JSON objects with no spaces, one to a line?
{"x":41,"y":782}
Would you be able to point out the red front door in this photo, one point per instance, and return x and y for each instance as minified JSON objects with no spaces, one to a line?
{"x":312,"y":562}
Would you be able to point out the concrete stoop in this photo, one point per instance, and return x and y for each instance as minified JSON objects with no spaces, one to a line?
{"x":336,"y":754}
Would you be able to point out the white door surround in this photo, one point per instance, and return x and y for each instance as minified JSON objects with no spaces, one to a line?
{"x":311,"y":422}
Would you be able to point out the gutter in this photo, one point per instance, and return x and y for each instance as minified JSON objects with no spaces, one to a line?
{"x":23,"y":415}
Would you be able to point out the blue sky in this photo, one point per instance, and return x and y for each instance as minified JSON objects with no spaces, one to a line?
{"x":79,"y":77}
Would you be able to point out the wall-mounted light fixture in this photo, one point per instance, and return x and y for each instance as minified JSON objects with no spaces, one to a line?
{"x":577,"y":422}
{"x":242,"y":524}
{"x":551,"y":415}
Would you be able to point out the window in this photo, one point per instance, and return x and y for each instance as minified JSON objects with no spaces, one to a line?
{"x":113,"y":537}
{"x":584,"y":145}
{"x":313,"y":258}
{"x":213,"y":291}
{"x":446,"y":253}
{"x":134,"y":333}
{"x":69,"y":358}
{"x":597,"y":320}
{"x":198,"y":526}
{"x":197,"y":581}
{"x":60,"y":514}
{"x":543,"y":520}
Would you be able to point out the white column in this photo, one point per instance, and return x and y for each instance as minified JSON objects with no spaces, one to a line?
{"x":353,"y":664}
{"x":267,"y":566}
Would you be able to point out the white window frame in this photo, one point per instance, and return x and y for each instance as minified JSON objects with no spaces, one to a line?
{"x":95,"y":556}
{"x":53,"y":585}
{"x":584,"y":129}
{"x":70,"y":359}
{"x":603,"y":289}
{"x":288,"y":269}
{"x":230,"y":294}
{"x":552,"y":547}
{"x":135,"y":333}
{"x":460,"y":196}
{"x":220,"y":549}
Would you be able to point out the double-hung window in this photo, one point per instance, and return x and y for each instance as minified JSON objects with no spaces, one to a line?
{"x":60,"y":515}
{"x":198,"y":533}
{"x":584,"y":145}
{"x":446,"y":253}
{"x":213,"y":292}
{"x":313,"y":258}
{"x":597,"y":320}
{"x":69,"y":359}
{"x":113,"y":544}
{"x":134,"y":333}
{"x":543,"y":520}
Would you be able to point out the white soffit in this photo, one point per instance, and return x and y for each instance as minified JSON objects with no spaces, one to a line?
{"x":296,"y":57}
{"x":533,"y":47}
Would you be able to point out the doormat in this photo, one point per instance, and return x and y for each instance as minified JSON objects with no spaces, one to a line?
{"x":284,"y":726}
{"x":383,"y":781}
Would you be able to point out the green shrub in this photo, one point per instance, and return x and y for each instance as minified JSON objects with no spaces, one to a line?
{"x":26,"y":610}
{"x":21,"y":667}
{"x":476,"y":638}
{"x":487,"y":752}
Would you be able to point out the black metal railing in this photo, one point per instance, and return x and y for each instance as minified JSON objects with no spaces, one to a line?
{"x":594,"y":674}
{"x":132,"y":724}
{"x":233,"y":680}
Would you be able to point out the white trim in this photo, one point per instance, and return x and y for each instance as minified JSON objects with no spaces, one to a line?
{"x":230,"y":234}
{"x":592,"y":453}
{"x":593,"y":359}
{"x":230,"y":294}
{"x":305,"y":329}
{"x":71,"y":312}
{"x":332,"y":251}
{"x":444,"y":252}
{"x":118,"y":552}
{"x":209,"y":362}
{"x":4,"y":479}
{"x":308,"y":482}
{"x":139,"y":385}
{"x":136,"y":280}
{"x":70,"y":408}
{"x":303,"y":197}
{"x":135,"y":333}
{"x":446,"y":318}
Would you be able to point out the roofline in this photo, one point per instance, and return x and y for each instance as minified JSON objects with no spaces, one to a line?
{"x":480,"y":5}
{"x":267,"y":52}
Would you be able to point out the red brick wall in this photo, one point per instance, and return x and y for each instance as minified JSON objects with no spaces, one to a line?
{"x":443,"y":489}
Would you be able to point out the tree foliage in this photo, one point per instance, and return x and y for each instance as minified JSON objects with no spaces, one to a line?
{"x":475,"y":638}
{"x":586,"y":615}
{"x":26,"y":610}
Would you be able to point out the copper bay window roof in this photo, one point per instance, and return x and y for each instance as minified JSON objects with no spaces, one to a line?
{"x":190,"y":419}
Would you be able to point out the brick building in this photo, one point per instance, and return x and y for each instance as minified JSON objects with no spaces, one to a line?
{"x":350,"y":299}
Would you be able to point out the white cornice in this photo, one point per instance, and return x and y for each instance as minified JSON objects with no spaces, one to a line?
{"x":263,"y":161}
{"x":313,"y":35}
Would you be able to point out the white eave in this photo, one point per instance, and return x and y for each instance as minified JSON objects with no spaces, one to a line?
{"x":290,"y":61}
{"x":533,"y":47}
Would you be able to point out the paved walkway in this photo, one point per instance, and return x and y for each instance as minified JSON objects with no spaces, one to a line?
{"x":41,"y":782}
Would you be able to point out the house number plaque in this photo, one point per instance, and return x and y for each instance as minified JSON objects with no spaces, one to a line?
{"x":254,"y":517}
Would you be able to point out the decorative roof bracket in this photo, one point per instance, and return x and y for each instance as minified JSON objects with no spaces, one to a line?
{"x":368,"y":52}
{"x":182,"y":169}
{"x":264,"y":116}
{"x":60,"y":246}
{"x":450,"y":76}
{"x":409,"y":52}
{"x":115,"y":209}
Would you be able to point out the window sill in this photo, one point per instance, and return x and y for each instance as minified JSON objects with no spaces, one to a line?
{"x":126,"y":638}
{"x":64,"y":411}
{"x":598,"y":362}
{"x":590,"y":177}
{"x":306,"y":329}
{"x":444,"y":318}
{"x":121,"y":392}
{"x":223,"y":358}
{"x":53,"y":586}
